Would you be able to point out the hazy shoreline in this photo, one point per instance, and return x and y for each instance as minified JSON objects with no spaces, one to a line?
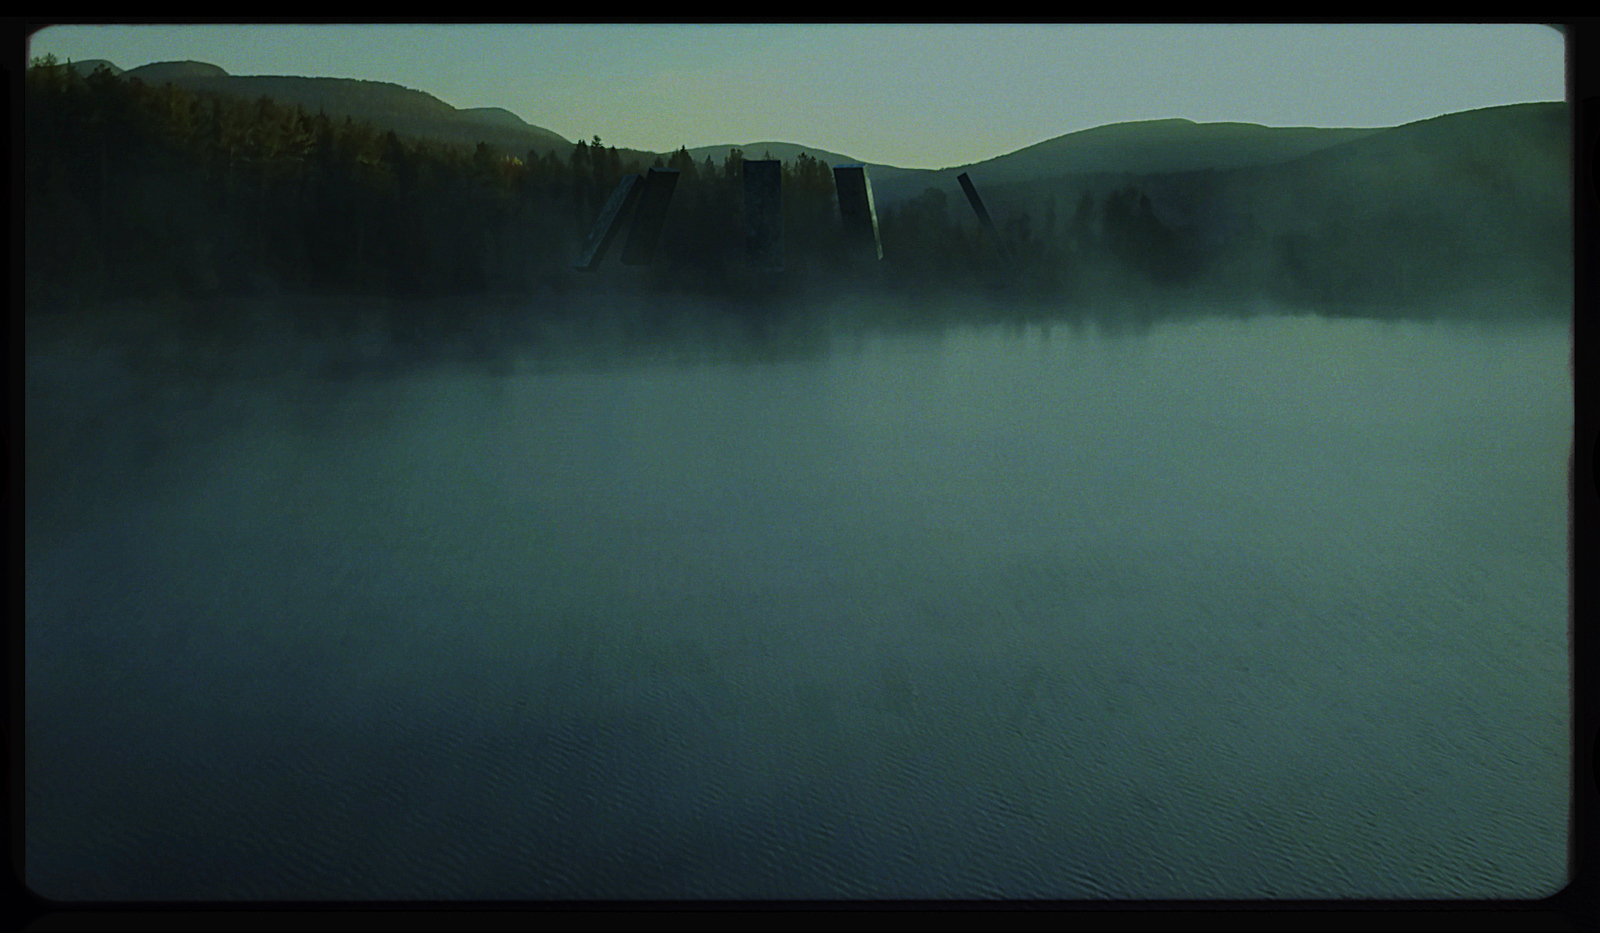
{"x":311,"y":315}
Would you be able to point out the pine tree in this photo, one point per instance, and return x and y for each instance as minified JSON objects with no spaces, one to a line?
{"x":684,"y":165}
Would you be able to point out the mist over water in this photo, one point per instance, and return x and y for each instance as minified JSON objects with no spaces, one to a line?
{"x":1226,"y":607}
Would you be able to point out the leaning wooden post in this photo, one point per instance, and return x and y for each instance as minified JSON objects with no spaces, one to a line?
{"x":608,"y":223}
{"x":983,"y":216}
{"x":857,"y":213}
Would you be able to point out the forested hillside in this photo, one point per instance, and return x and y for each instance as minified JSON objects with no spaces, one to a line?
{"x":407,"y":111}
{"x":140,"y":191}
{"x":144,"y":191}
{"x":1466,"y":202}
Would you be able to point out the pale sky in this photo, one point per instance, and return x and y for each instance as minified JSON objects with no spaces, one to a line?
{"x":917,"y":96}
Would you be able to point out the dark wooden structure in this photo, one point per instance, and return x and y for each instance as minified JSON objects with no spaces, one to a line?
{"x":649,"y":215}
{"x":983,"y":216}
{"x":857,"y":213}
{"x":608,"y":224}
{"x":763,"y":213}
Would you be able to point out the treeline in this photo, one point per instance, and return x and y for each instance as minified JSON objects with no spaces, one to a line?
{"x":1112,"y":244}
{"x":144,"y":192}
{"x":135,"y":191}
{"x":151,"y":192}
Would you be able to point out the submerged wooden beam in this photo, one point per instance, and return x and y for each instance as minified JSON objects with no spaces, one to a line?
{"x":608,"y":223}
{"x":649,"y":216}
{"x":983,"y":215}
{"x":856,"y":210}
{"x":763,"y":213}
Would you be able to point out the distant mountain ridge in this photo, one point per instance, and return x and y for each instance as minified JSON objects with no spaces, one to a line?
{"x":1523,"y":146}
{"x":498,"y":116}
{"x":1137,"y":148}
{"x":161,"y":72}
{"x":1095,"y":159}
{"x":1142,"y":147}
{"x":1174,"y":145}
{"x":1478,"y":199}
{"x":387,"y":106}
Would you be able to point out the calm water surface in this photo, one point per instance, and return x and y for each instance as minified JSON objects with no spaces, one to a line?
{"x":1245,"y":608}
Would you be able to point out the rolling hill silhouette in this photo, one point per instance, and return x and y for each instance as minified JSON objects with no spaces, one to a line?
{"x":1138,"y":148}
{"x":1327,"y":211}
{"x":387,"y":106}
{"x":1105,"y":153}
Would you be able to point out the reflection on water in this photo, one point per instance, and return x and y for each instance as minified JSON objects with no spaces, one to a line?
{"x":1265,"y":607}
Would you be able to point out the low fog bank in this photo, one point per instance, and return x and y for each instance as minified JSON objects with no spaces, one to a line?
{"x":349,"y":335}
{"x":105,"y":357}
{"x":133,"y":388}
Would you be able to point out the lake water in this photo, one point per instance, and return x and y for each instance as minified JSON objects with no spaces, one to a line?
{"x":1227,"y":608}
